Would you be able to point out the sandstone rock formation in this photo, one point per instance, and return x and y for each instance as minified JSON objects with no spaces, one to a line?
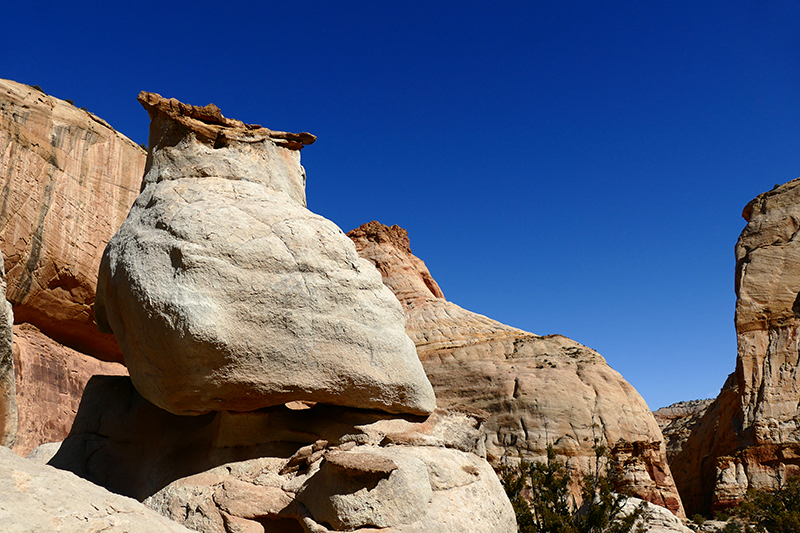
{"x":8,"y":392}
{"x":749,"y":436}
{"x":42,"y":498}
{"x":68,"y":180}
{"x":288,"y":469}
{"x":49,"y":383}
{"x":226,"y":293}
{"x":537,"y":390}
{"x":677,"y":421}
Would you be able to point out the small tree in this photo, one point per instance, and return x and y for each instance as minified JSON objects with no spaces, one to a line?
{"x":774,"y":512}
{"x":539,"y":494}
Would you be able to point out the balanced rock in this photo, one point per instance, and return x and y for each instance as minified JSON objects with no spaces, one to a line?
{"x":749,"y":436}
{"x":37,"y":497}
{"x":68,"y":180}
{"x":538,"y":390}
{"x":226,"y":293}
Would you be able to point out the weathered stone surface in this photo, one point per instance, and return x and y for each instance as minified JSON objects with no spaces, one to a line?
{"x":749,"y":435}
{"x":8,"y":389}
{"x":676,"y":422}
{"x":123,"y":442}
{"x":537,"y":390}
{"x":68,"y":180}
{"x":37,"y":497}
{"x":49,"y":383}
{"x":658,"y":519}
{"x":286,"y":469}
{"x":226,"y":293}
{"x":428,"y":489}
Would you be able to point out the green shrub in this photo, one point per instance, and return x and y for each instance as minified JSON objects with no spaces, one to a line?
{"x":775,"y":511}
{"x":539,"y":494}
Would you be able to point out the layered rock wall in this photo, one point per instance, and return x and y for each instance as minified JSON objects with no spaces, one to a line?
{"x":749,"y":437}
{"x":536,"y":390}
{"x":67,"y":181}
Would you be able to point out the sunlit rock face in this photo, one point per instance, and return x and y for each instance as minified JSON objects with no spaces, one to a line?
{"x":68,"y":180}
{"x":537,"y":390}
{"x":749,"y":437}
{"x":226,"y":293}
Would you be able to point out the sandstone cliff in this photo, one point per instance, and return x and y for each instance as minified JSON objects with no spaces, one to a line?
{"x":50,"y":379}
{"x":749,"y":436}
{"x":67,"y":181}
{"x":537,"y":390}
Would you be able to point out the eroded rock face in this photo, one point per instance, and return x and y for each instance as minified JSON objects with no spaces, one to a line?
{"x":750,"y":433}
{"x":288,"y":470}
{"x":537,"y":390}
{"x":676,"y":422}
{"x":8,"y":389}
{"x":50,"y":379}
{"x":226,"y":293}
{"x":42,"y":498}
{"x":68,"y":180}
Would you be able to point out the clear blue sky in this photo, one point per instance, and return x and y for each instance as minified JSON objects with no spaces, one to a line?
{"x":564,"y":167}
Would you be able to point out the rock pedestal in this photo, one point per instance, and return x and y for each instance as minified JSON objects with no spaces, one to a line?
{"x":318,"y":469}
{"x":226,"y":293}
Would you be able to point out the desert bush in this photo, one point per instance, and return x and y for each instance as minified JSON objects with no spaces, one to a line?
{"x":776,"y":511}
{"x":540,"y":495}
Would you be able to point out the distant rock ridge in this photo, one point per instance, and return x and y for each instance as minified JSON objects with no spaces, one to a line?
{"x":537,"y":390}
{"x":749,"y":435}
{"x":677,"y":420}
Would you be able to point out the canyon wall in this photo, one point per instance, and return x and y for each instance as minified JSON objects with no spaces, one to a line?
{"x":750,"y":437}
{"x":67,"y":181}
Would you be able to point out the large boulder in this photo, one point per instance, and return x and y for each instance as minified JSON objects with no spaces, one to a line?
{"x":750,"y":437}
{"x":67,"y":180}
{"x":226,"y":293}
{"x":286,"y":468}
{"x":36,"y":497}
{"x":538,"y":390}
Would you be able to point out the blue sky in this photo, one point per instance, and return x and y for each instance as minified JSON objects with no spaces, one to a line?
{"x":564,"y":167}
